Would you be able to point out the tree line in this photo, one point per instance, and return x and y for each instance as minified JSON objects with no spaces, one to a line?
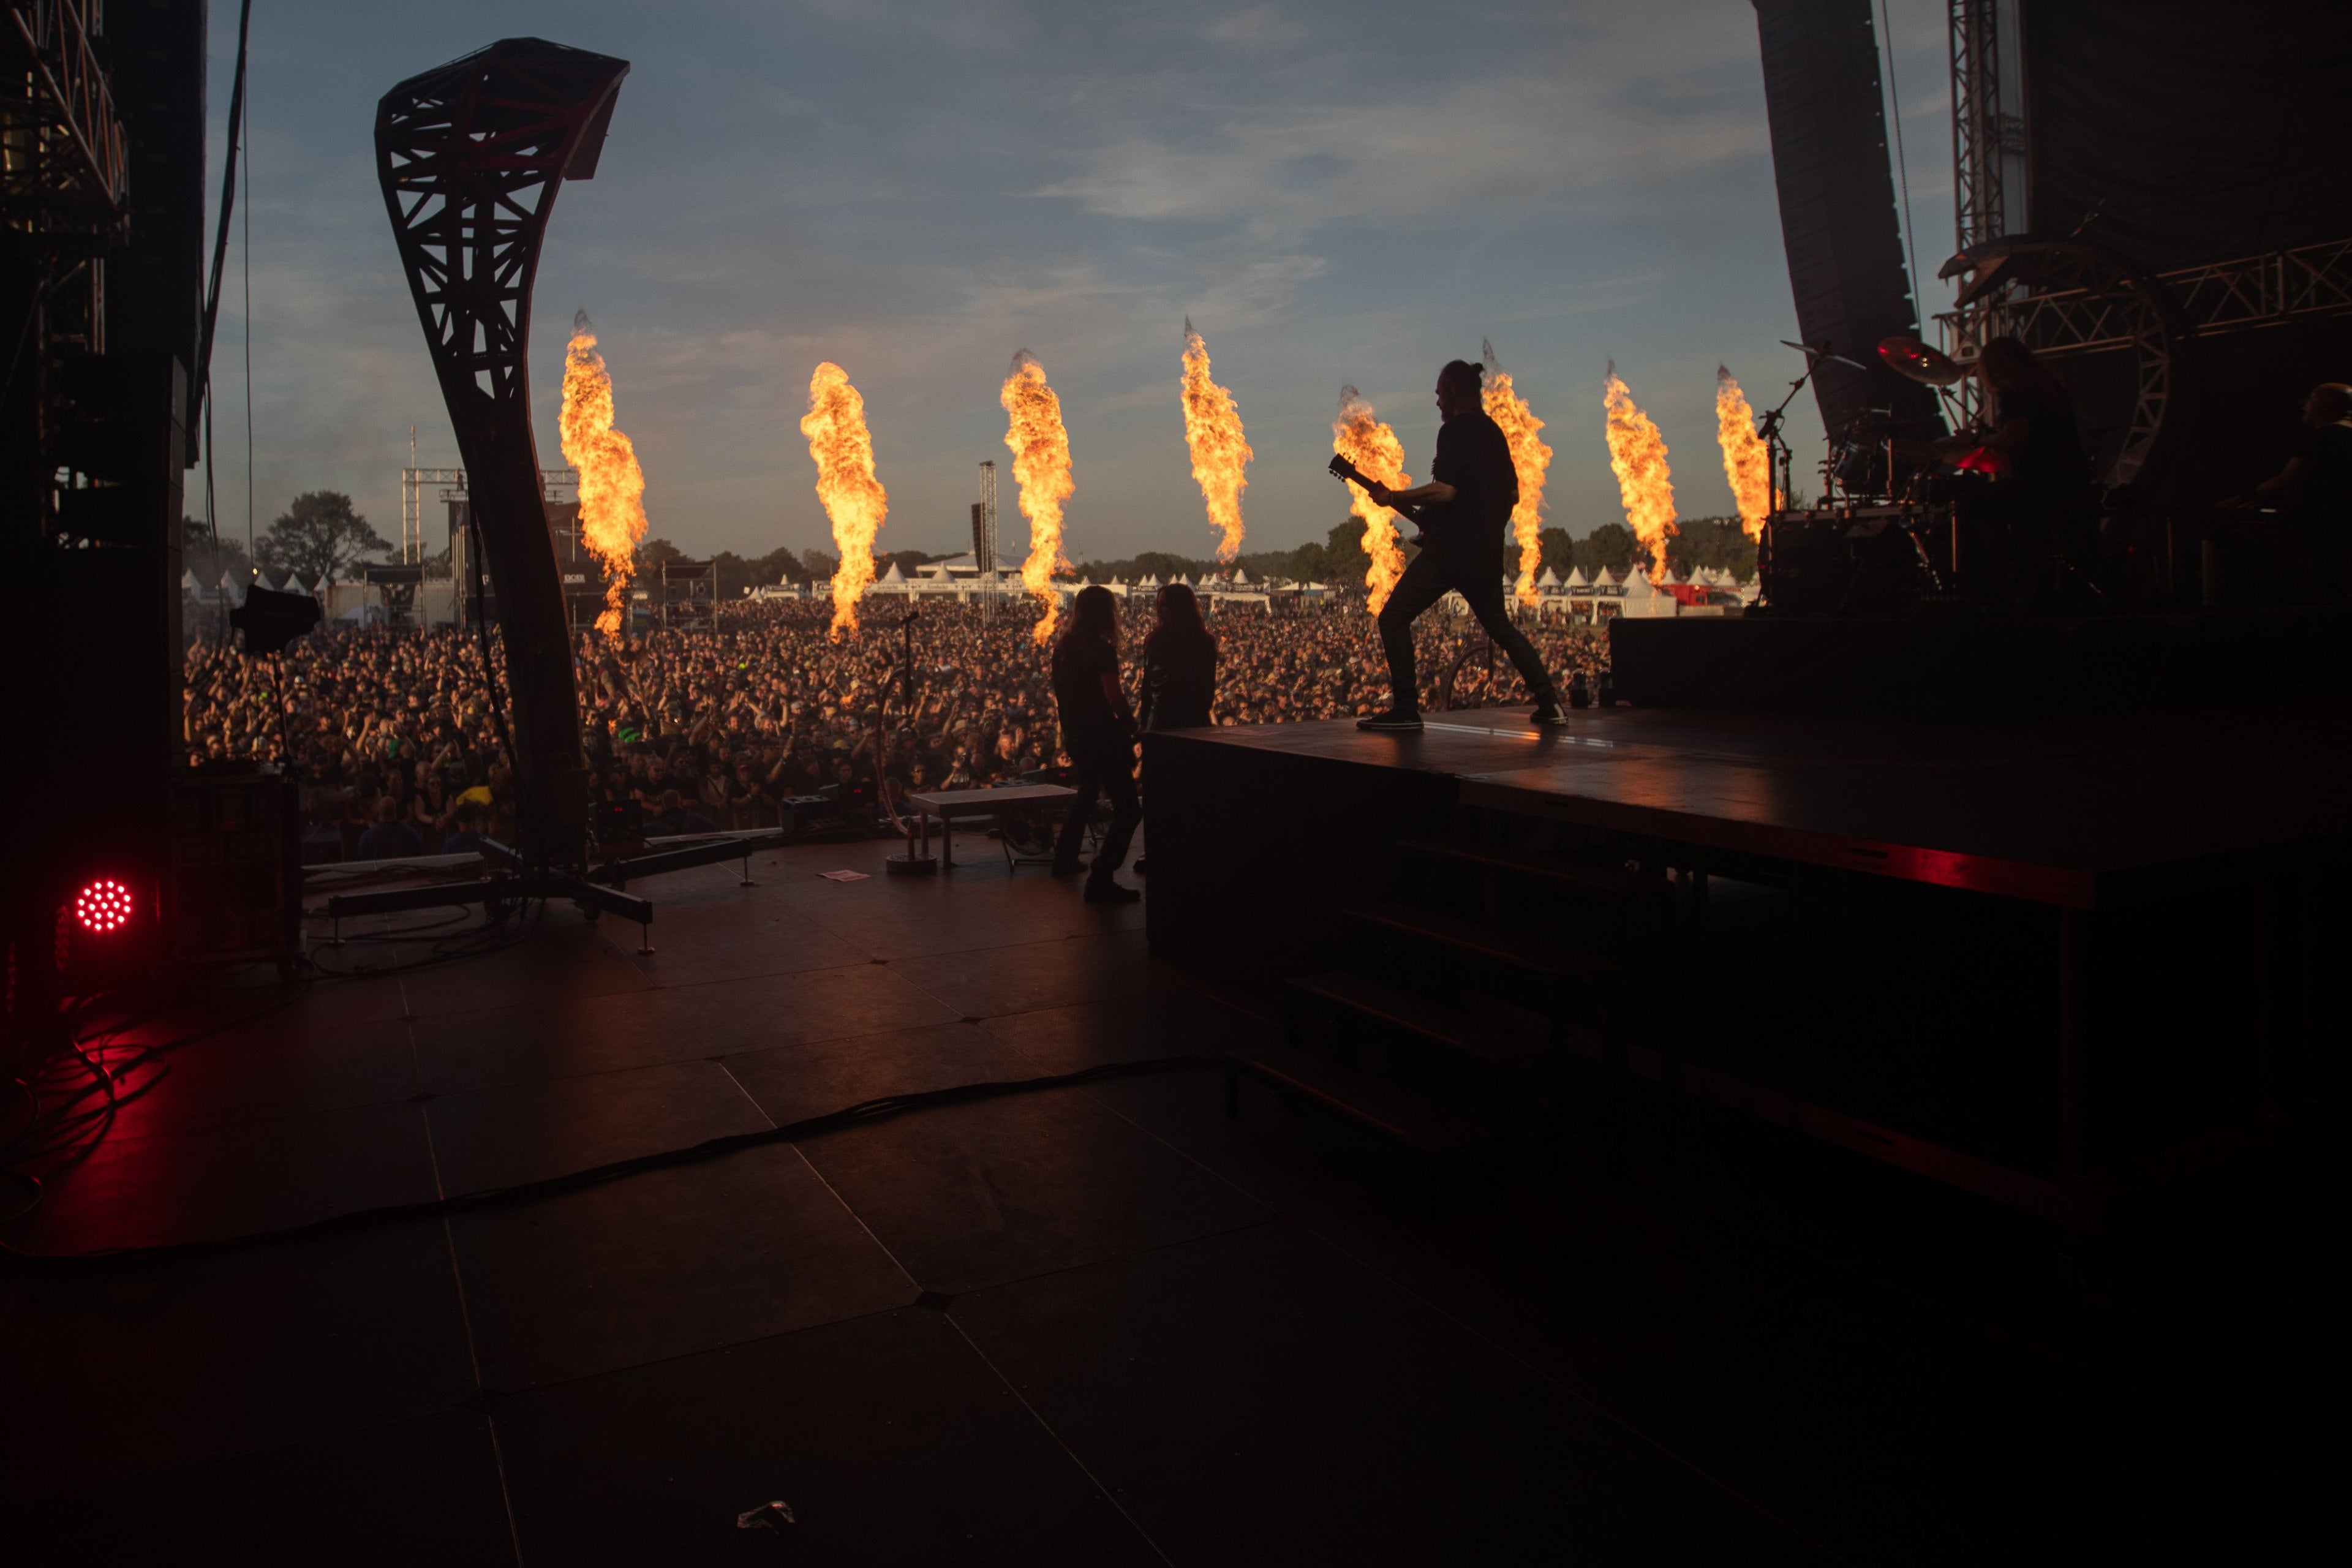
{"x":322,"y":537}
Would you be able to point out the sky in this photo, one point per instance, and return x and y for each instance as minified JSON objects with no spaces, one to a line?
{"x":1333,"y":194}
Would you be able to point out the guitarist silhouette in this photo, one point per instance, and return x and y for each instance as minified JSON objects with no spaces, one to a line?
{"x":1461,"y":513}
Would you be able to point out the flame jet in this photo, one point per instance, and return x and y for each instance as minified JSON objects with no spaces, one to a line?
{"x":1745,"y":465}
{"x":854,"y":498}
{"x":1040,"y":464}
{"x":1359,"y":436}
{"x":612,"y":485}
{"x":1530,"y":456}
{"x":1637,"y":453}
{"x":1221,"y":453}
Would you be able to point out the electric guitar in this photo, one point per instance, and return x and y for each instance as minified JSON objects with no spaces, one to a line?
{"x":1343,"y":470}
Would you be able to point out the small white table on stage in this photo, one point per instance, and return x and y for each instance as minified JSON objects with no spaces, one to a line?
{"x":948,"y":804}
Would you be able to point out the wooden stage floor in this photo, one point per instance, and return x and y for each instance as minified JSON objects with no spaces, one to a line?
{"x":1098,"y":1324}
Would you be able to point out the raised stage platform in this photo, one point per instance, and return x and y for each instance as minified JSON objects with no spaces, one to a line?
{"x":2034,"y":961}
{"x":1984,"y":669}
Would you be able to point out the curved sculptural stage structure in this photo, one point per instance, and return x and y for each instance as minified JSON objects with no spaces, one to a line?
{"x":470,"y":156}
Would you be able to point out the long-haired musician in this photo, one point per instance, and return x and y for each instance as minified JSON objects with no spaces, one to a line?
{"x":2040,"y":502}
{"x":1098,"y":731}
{"x":1180,"y":663}
{"x":2036,"y":445}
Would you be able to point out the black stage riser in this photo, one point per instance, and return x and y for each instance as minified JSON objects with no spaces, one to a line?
{"x":2070,"y":968}
{"x":1249,"y":877}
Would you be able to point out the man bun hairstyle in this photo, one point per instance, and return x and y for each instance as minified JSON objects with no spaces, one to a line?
{"x":1462,"y":372}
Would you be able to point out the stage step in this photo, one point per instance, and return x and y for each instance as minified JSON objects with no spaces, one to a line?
{"x":1546,"y":960}
{"x":1383,"y":1109}
{"x":1491,"y":1044}
{"x":1563,"y":870}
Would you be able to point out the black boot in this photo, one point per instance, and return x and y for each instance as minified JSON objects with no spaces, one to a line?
{"x":1396,"y":721}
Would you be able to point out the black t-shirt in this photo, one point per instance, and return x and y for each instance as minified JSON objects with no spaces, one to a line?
{"x":1080,"y":665}
{"x":2052,"y":459}
{"x":2325,"y":495}
{"x":1474,"y":456}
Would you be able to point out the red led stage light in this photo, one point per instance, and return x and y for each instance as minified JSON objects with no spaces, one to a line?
{"x":104,"y":906}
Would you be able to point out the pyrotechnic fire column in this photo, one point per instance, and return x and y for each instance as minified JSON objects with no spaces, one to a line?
{"x":470,"y":156}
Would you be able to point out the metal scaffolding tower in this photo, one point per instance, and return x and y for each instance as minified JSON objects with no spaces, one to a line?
{"x":983,"y":537}
{"x":1990,"y":188}
{"x":556,"y":486}
{"x":1990,"y":183}
{"x":63,"y":206}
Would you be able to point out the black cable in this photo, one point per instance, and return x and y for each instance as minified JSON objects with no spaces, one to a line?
{"x":246,"y":227}
{"x":204,"y":369}
{"x":212,"y":522}
{"x":505,"y":938}
{"x":864,"y":1112}
{"x":103,"y":1116}
{"x":58,"y":1134}
{"x":1902,"y":163}
{"x":399,"y":933}
{"x":62,"y":1142}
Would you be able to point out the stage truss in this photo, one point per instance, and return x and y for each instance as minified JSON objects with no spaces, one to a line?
{"x":470,"y":157}
{"x":2066,"y":299}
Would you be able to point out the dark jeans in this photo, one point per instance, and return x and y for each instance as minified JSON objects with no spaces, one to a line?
{"x":1099,"y":773}
{"x":1425,"y":581}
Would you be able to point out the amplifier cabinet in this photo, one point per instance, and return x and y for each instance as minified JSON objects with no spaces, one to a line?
{"x":237,"y":866}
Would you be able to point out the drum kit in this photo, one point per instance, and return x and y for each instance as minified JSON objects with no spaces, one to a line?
{"x":1886,"y":532}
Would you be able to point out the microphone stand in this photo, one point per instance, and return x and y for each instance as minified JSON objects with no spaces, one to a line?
{"x":1777,"y":455}
{"x":911,"y":863}
{"x":1776,"y":450}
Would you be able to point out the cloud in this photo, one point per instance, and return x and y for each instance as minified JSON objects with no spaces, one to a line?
{"x":1293,"y":169}
{"x":1333,"y":191}
{"x":1258,"y":25}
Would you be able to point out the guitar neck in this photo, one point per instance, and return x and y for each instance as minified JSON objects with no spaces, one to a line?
{"x":1344,"y":470}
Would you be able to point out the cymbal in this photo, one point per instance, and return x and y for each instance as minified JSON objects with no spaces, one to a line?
{"x":1821,"y":355}
{"x":1910,"y":358}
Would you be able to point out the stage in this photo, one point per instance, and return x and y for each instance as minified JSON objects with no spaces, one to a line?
{"x":2035,"y":961}
{"x":1094,"y":1323}
{"x":1986,"y":668}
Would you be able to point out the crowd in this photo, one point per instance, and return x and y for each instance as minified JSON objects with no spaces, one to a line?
{"x":713,"y":727}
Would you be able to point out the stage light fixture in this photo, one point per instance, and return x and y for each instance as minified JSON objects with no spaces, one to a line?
{"x":104,"y":906}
